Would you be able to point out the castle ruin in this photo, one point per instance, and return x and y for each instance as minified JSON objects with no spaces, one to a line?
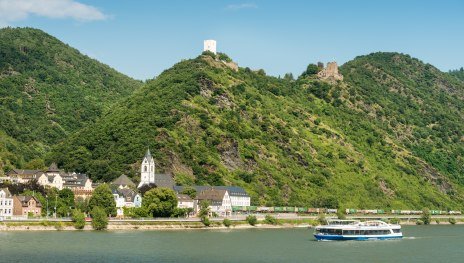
{"x":330,"y":72}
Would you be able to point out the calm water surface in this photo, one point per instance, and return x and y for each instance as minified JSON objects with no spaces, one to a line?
{"x":422,"y":244}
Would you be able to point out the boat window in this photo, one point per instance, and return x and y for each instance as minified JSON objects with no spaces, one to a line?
{"x":396,"y":230}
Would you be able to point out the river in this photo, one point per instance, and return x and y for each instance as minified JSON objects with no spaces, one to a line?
{"x":437,"y":243}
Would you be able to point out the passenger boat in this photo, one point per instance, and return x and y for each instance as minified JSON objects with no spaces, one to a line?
{"x":356,"y":230}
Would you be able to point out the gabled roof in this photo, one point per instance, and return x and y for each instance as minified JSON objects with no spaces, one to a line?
{"x":53,"y":168}
{"x":215,"y":196}
{"x":24,"y":199}
{"x":123,"y":180}
{"x":7,"y":192}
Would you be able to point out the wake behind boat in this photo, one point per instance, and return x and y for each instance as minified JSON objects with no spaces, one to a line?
{"x":356,"y":230}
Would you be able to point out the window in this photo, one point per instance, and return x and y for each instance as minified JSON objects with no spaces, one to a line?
{"x":145,"y":168}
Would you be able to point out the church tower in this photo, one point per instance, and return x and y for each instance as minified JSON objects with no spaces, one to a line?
{"x":147,"y":169}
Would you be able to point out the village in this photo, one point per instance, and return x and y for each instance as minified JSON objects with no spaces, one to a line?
{"x":222,"y":200}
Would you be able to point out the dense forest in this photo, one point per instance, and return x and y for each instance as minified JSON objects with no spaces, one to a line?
{"x":47,"y":91}
{"x":389,"y":136}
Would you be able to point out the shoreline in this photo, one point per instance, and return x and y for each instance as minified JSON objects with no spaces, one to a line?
{"x":146,"y":227}
{"x":162,"y":226}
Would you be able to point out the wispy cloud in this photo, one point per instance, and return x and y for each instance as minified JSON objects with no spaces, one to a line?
{"x":16,"y":10}
{"x":236,"y":7}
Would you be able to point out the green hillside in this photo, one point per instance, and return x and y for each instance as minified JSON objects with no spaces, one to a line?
{"x":458,"y":73}
{"x":389,"y":136}
{"x":47,"y":91}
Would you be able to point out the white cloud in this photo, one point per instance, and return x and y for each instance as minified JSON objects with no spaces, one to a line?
{"x":242,"y":6}
{"x":16,"y":10}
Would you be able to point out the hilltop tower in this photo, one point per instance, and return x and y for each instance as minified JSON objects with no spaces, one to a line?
{"x":209,"y":45}
{"x":147,"y":169}
{"x":330,"y":72}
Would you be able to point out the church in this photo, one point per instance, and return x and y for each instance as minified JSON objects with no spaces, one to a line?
{"x":149,"y":176}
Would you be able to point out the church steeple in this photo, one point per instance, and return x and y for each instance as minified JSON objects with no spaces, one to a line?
{"x":148,"y":154}
{"x":147,"y":169}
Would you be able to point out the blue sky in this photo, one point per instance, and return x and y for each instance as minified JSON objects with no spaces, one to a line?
{"x":141,"y":38}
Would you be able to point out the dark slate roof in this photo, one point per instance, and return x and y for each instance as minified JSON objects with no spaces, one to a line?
{"x":50,"y":178}
{"x":164,"y":180}
{"x":233,"y":190}
{"x":128,"y":194}
{"x":7,"y":192}
{"x":74,"y":179}
{"x":23,"y":172}
{"x":123,"y":180}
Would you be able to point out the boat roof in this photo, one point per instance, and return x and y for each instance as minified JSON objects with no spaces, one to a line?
{"x":356,"y":223}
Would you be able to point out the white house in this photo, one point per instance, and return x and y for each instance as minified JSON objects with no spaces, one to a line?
{"x":126,"y":198}
{"x":51,"y":180}
{"x":219,"y":200}
{"x":6,"y":203}
{"x":209,"y":45}
{"x":184,"y":201}
{"x":238,"y":195}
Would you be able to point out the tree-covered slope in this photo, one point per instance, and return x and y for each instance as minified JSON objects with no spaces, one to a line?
{"x":419,"y":106}
{"x":48,"y":90}
{"x":304,"y":142}
{"x":458,"y":73}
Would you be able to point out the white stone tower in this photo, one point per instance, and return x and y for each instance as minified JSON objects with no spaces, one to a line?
{"x":209,"y":45}
{"x":147,"y":169}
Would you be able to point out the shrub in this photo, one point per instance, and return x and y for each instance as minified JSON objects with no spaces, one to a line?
{"x":79,"y":219}
{"x":59,"y":225}
{"x":252,"y":220}
{"x":312,"y":69}
{"x":394,"y":221}
{"x":452,"y":220}
{"x":270,"y":220}
{"x":321,"y":219}
{"x":224,"y":57}
{"x":99,"y":218}
{"x":208,"y":53}
{"x":419,"y":222}
{"x":340,"y":214}
{"x":226,"y":222}
{"x":426,"y":218}
{"x":205,"y":221}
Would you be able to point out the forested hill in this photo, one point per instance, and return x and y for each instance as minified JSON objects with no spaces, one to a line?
{"x":389,"y":136}
{"x":47,"y":91}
